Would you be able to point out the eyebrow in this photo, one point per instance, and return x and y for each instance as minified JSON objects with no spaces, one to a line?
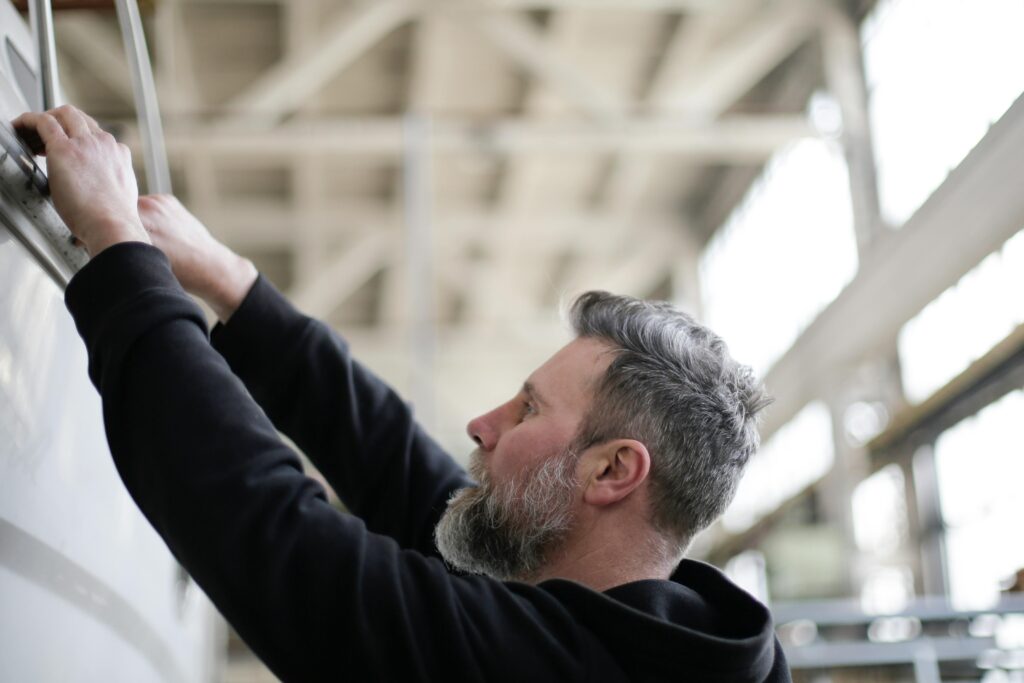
{"x":531,"y":391}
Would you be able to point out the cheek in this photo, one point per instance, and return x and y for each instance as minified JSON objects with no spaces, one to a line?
{"x":525,"y":447}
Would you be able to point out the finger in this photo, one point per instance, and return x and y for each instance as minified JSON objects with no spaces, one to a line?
{"x":39,"y":129}
{"x":91,"y":122}
{"x":73,"y":121}
{"x":148,"y":202}
{"x":146,"y":209}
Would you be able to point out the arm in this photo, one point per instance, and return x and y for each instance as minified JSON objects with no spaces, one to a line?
{"x":354,"y":428}
{"x":358,"y":432}
{"x":310,"y":589}
{"x":313,"y":592}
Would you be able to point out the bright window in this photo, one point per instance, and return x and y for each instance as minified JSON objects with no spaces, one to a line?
{"x":748,"y":571}
{"x":784,"y":254}
{"x":939,"y":73}
{"x":963,"y":323}
{"x":798,"y":454}
{"x":980,"y":466}
{"x":880,"y":528}
{"x":880,"y":512}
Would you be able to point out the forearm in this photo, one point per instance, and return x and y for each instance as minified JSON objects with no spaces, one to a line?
{"x":354,"y":428}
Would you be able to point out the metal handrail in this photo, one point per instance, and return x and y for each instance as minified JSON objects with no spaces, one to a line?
{"x":24,"y":181}
{"x":850,"y":612}
{"x":40,"y":17}
{"x":147,"y":109}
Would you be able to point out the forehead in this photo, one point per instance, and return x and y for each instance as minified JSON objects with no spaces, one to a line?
{"x":568,"y":378}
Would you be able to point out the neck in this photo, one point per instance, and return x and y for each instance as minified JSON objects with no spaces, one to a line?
{"x":598,"y":580}
{"x":606,"y":564}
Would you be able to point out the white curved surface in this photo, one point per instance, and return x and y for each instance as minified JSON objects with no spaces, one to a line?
{"x":88,"y":590}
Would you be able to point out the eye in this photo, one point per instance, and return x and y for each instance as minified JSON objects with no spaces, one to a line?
{"x":529,"y":409}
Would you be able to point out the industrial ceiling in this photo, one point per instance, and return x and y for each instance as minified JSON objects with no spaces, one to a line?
{"x":435,"y":178}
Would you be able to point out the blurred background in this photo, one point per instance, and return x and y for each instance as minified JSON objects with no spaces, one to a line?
{"x":834,"y":187}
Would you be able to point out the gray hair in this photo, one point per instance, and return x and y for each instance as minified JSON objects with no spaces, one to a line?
{"x":673,"y":386}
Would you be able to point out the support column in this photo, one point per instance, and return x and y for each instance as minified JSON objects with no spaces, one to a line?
{"x":875,"y":383}
{"x":835,"y":494}
{"x":302,"y":23}
{"x":844,"y":72}
{"x":418,"y":193}
{"x":930,"y":527}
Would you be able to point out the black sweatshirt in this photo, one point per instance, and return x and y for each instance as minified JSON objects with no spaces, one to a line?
{"x":323,"y":595}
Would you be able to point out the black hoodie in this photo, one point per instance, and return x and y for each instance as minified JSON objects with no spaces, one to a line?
{"x":323,"y":595}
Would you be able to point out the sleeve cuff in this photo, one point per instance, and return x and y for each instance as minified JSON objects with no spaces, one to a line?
{"x":114,"y":277}
{"x":263,"y":309}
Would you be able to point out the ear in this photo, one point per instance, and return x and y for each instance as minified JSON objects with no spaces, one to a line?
{"x":614,"y":470}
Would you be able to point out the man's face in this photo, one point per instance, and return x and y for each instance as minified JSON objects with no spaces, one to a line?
{"x":527,"y":497}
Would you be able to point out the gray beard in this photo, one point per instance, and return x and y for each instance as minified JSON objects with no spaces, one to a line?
{"x":509,"y":531}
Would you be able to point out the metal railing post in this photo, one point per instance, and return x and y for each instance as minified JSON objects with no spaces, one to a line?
{"x":147,"y":109}
{"x":40,"y":16}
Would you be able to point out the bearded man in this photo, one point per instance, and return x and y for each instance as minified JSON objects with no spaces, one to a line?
{"x":562,"y":561}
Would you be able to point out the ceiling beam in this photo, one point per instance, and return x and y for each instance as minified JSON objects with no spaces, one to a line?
{"x":521,"y":40}
{"x":637,"y":5}
{"x":343,"y":275}
{"x":266,"y":225}
{"x":490,"y":5}
{"x":175,"y":69}
{"x":640,"y":265}
{"x":689,"y":47}
{"x":526,"y":178}
{"x":732,"y":69}
{"x":713,"y":60}
{"x":736,"y":139}
{"x":97,"y":50}
{"x":298,"y":76}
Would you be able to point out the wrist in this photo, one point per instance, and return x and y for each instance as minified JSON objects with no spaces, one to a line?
{"x":233,"y":277}
{"x":109,"y":233}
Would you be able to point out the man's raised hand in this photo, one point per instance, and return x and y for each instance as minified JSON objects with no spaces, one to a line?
{"x":203,"y":266}
{"x":90,"y":175}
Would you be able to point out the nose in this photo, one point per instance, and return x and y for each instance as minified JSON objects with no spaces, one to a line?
{"x":485,"y":429}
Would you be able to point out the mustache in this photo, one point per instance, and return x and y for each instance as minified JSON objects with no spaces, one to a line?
{"x":478,"y":469}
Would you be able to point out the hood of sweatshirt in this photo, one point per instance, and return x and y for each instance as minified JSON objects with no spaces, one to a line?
{"x":696,"y":626}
